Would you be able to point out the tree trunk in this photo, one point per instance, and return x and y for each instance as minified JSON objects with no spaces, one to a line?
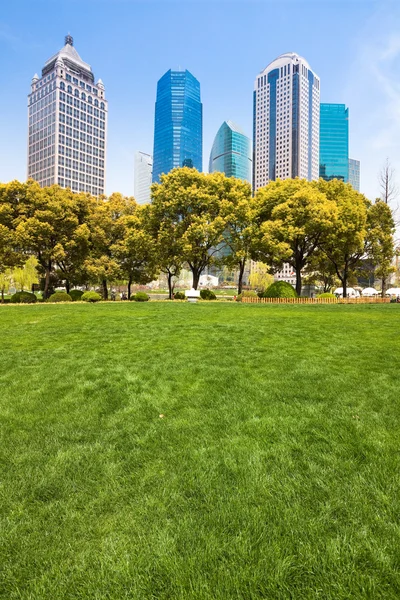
{"x":105,"y":289}
{"x":196,"y":272}
{"x":240,"y":280}
{"x":298,"y":280}
{"x":129,"y":287}
{"x":2,"y":296}
{"x":46,"y":283}
{"x":67,"y":285}
{"x":383,"y":287}
{"x":344,"y":284}
{"x":170,"y":288}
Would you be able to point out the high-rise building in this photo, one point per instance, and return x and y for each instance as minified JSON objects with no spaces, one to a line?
{"x":67,"y":114}
{"x":143,"y":173}
{"x":231,"y":152}
{"x":334,"y":142}
{"x":286,"y":121}
{"x":178,"y":126}
{"x":354,"y":173}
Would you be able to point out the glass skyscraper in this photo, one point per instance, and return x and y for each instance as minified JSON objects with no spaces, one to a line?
{"x":231,"y":152}
{"x":354,"y":173}
{"x":178,"y":126}
{"x":143,"y":170}
{"x":286,"y":121}
{"x":334,"y":142}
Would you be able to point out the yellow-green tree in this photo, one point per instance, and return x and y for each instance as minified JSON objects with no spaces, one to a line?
{"x":260,"y":277}
{"x":24,"y":277}
{"x":292,"y":217}
{"x":188,"y":202}
{"x":380,"y":241}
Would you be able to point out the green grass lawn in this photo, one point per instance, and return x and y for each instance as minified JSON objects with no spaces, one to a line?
{"x":274,"y":472}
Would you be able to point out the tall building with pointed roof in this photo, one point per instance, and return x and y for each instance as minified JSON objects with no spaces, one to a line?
{"x":67,"y":115}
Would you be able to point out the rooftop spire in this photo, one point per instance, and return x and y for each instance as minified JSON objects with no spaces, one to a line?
{"x":69,"y":40}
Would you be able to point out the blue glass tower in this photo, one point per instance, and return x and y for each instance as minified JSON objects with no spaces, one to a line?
{"x":231,"y":152}
{"x":334,"y":142}
{"x":178,"y":125}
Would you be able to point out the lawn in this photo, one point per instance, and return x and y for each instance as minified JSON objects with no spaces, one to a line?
{"x":213,"y":451}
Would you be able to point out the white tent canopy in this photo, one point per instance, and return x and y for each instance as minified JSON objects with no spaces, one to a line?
{"x":393,"y":292}
{"x":350,"y":292}
{"x":208,"y":280}
{"x":369,"y":292}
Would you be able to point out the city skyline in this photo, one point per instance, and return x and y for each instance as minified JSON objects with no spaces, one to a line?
{"x":360,"y":71}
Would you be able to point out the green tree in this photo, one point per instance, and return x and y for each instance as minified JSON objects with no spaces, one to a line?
{"x":107,"y":226}
{"x":345,"y":242}
{"x":380,"y":242}
{"x":292,"y":217}
{"x":188,"y":203}
{"x":260,"y":277}
{"x":237,"y":211}
{"x":321,"y":272}
{"x":26,"y":276}
{"x":135,"y":251}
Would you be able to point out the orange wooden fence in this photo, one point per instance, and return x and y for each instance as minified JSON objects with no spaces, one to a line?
{"x":373,"y":300}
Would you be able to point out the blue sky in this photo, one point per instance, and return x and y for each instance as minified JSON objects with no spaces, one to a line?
{"x":353,"y":45}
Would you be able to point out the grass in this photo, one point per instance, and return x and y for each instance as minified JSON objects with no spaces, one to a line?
{"x":192,"y":452}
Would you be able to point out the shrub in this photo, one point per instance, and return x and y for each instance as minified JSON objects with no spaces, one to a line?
{"x":179,"y":296}
{"x":91,"y":297}
{"x":207,"y":295}
{"x":60,"y":297}
{"x":326,"y":295}
{"x":246,"y":294}
{"x":140,"y":297}
{"x":23,"y":298}
{"x":279,"y":289}
{"x":76,"y":295}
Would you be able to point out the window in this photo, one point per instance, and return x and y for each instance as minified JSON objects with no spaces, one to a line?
{"x":69,"y":89}
{"x":83,"y":96}
{"x":76,"y":93}
{"x":102,"y":105}
{"x":96,"y":102}
{"x":62,"y":85}
{"x":68,"y":77}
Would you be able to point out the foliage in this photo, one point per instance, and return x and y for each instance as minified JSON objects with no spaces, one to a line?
{"x":246,"y":294}
{"x":186,"y":209}
{"x":23,"y":298}
{"x":380,"y":242}
{"x":292,"y":217}
{"x":279,"y":289}
{"x":179,"y":296}
{"x":60,"y":297}
{"x":91,"y":297}
{"x":27,"y":275}
{"x":326,"y":295}
{"x":260,"y":277}
{"x":140,"y":297}
{"x":76,"y":295}
{"x":207,"y":295}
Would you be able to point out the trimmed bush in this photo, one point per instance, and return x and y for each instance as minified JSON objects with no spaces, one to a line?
{"x":279,"y":289}
{"x":60,"y":297}
{"x":326,"y":295}
{"x":207,"y":295}
{"x":179,"y":296}
{"x":246,"y":294}
{"x":23,"y":298}
{"x":91,"y":297}
{"x":140,"y":297}
{"x":76,"y":295}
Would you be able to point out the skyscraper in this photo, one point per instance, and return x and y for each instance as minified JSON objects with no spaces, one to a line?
{"x":231,"y":152}
{"x":143,"y":173}
{"x":178,"y":126}
{"x":334,"y":142}
{"x":286,"y":121}
{"x":354,"y":173}
{"x":67,"y":114}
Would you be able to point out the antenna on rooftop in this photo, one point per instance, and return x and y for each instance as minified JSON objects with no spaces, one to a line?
{"x":69,"y":40}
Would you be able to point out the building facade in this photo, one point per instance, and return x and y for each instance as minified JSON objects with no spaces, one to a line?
{"x":143,"y":177}
{"x":67,"y":115}
{"x":231,"y":152}
{"x":286,"y":121}
{"x":178,"y":124}
{"x":354,"y":173}
{"x":334,"y":142}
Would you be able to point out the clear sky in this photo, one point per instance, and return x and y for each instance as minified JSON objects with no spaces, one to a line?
{"x":353,"y":45}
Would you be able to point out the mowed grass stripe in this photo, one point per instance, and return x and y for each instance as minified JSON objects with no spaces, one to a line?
{"x":273,"y":472}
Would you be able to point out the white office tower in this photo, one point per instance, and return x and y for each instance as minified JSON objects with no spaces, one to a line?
{"x":143,"y":176}
{"x":67,"y":114}
{"x":286,"y":121}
